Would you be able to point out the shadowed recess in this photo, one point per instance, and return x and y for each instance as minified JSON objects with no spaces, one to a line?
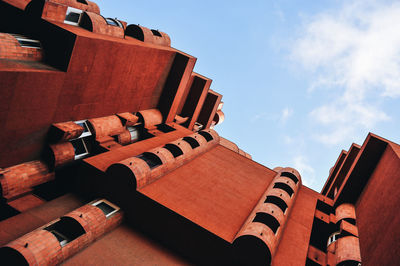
{"x":174,"y":149}
{"x":284,"y":187}
{"x":250,"y":250}
{"x":192,"y":142}
{"x":277,"y":201}
{"x":206,"y":135}
{"x":291,"y":176}
{"x":268,"y":220}
{"x":10,"y":256}
{"x":151,"y":159}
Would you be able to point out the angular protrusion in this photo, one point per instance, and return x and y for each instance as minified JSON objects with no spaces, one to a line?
{"x":124,"y":138}
{"x":219,"y":117}
{"x":348,"y":251}
{"x":65,"y":131}
{"x":128,"y":119}
{"x":150,"y":117}
{"x":345,"y":211}
{"x":106,"y":126}
{"x":180,"y":120}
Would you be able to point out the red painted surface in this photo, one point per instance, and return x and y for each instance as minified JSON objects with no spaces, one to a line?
{"x":333,"y":171}
{"x":293,"y":247}
{"x":234,"y":185}
{"x":377,"y":219}
{"x":21,"y":4}
{"x":125,"y":246}
{"x":348,"y":249}
{"x":26,"y":202}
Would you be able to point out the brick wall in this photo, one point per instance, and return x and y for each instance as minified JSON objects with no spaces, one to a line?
{"x":247,"y":242}
{"x":11,"y":49}
{"x":41,"y":247}
{"x":139,"y":172}
{"x":19,"y":179}
{"x":97,"y":24}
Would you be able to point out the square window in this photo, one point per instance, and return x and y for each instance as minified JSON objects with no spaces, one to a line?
{"x":106,"y":207}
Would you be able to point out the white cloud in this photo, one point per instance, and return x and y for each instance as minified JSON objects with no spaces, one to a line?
{"x":286,"y":113}
{"x":355,"y":52}
{"x":300,"y":163}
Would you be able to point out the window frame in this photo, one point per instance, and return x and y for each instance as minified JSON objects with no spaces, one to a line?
{"x":81,"y":155}
{"x":116,"y":208}
{"x":23,"y":38}
{"x":84,"y":134}
{"x":73,"y":10}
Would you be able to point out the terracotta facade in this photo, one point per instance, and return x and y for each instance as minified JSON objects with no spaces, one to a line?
{"x":109,"y":156}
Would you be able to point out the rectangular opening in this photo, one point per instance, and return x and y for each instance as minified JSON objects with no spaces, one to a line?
{"x":151,"y":159}
{"x":208,"y":110}
{"x":73,"y":16}
{"x":323,"y":207}
{"x":106,"y":207}
{"x":26,"y":41}
{"x":165,"y":128}
{"x":66,"y":230}
{"x":80,"y":148}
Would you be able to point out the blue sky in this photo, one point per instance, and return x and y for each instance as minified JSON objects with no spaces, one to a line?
{"x":301,"y":80}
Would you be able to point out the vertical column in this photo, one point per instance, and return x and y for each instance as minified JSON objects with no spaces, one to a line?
{"x":256,"y":242}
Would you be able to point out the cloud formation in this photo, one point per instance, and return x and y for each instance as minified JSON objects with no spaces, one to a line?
{"x":354,"y":52}
{"x":307,"y":172}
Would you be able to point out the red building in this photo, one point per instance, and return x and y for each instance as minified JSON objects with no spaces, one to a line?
{"x":109,"y":157}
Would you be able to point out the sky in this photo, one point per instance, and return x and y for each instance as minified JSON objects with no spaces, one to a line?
{"x":301,"y":79}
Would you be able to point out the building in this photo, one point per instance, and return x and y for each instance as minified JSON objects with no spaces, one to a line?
{"x":109,"y":156}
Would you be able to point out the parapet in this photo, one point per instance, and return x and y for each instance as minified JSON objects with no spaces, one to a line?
{"x":150,"y":117}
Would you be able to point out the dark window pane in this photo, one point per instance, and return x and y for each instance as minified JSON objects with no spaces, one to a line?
{"x":79,"y":146}
{"x":73,"y":17}
{"x":105,"y":208}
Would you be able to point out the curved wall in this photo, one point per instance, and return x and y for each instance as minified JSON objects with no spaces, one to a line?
{"x":42,"y":247}
{"x":147,"y":35}
{"x":136,"y":171}
{"x":19,"y":179}
{"x":258,"y":238}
